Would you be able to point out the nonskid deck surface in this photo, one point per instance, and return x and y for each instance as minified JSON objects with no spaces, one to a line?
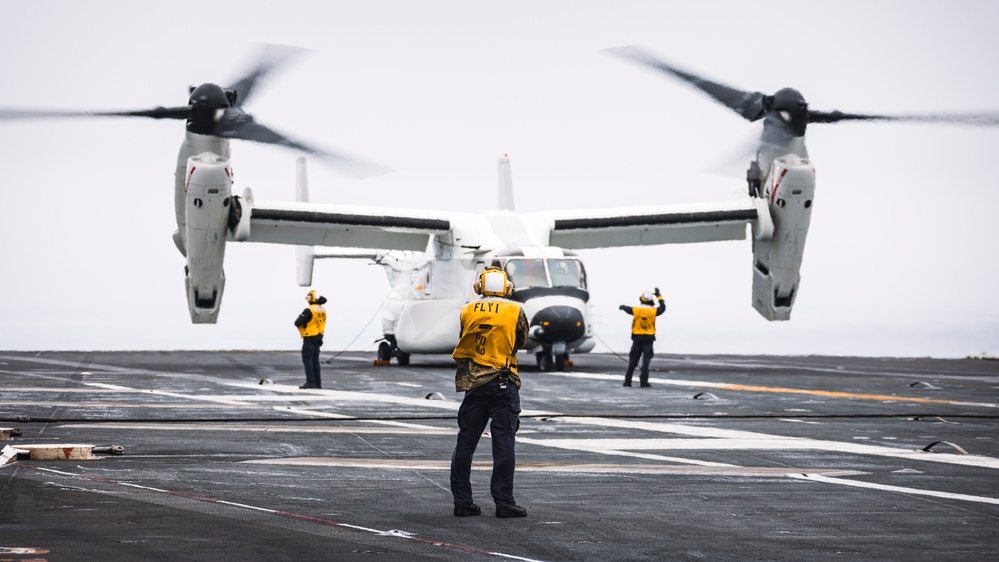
{"x":723,"y":458}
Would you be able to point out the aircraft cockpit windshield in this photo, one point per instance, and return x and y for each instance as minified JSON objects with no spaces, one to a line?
{"x":560,"y":272}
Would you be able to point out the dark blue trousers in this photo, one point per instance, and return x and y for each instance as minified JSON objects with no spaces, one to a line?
{"x":640,"y":348}
{"x":481,"y":404}
{"x":310,"y":358}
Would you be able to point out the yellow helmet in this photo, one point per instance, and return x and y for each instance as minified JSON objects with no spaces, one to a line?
{"x":311,"y":297}
{"x":493,"y":282}
{"x":647,"y":297}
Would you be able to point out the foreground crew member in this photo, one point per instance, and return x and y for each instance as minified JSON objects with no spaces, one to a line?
{"x":492,"y":329}
{"x":643,"y":334}
{"x":311,"y":324}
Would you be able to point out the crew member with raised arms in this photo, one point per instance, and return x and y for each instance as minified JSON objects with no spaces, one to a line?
{"x":311,"y":324}
{"x":492,"y":329}
{"x":643,"y":334}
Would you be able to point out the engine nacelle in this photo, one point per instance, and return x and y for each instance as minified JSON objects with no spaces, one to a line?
{"x":208,"y":202}
{"x":789,"y":191}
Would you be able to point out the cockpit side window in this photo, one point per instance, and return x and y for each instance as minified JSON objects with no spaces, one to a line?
{"x":567,"y":273}
{"x":525,"y":273}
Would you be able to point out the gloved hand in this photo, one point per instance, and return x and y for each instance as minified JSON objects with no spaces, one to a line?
{"x":623,"y":307}
{"x":657,"y":293}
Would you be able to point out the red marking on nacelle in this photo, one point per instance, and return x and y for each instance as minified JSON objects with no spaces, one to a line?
{"x":187,"y":183}
{"x":773,"y":192}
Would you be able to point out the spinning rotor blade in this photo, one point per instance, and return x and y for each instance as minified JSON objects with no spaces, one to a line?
{"x":216,"y":111}
{"x":786,"y":111}
{"x":271,"y":57}
{"x":154,"y":113}
{"x":238,"y":125}
{"x":978,"y":119}
{"x":747,"y":104}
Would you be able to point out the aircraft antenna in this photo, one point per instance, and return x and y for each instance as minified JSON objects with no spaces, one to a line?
{"x":505,"y":187}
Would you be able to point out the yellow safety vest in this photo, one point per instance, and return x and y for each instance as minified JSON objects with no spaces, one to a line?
{"x":644,"y":320}
{"x":317,"y":325}
{"x":488,"y":333}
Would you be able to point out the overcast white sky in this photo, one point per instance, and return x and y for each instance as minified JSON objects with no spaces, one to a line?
{"x":901,"y":257}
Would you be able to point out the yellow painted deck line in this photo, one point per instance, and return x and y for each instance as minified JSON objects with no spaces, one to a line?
{"x":781,"y":390}
{"x":854,"y":395}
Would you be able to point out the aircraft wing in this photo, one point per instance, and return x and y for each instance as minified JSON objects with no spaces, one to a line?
{"x":376,"y":228}
{"x":652,"y":225}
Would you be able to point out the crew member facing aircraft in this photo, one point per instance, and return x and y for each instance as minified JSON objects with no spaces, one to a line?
{"x":492,"y":329}
{"x":311,"y":324}
{"x":643,"y":334}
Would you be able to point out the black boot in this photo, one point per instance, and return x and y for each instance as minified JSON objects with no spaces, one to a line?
{"x":467,"y":510}
{"x":510,"y":511}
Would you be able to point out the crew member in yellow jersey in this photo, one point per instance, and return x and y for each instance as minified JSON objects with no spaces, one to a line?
{"x":643,"y":334}
{"x":492,"y":329}
{"x":311,"y":324}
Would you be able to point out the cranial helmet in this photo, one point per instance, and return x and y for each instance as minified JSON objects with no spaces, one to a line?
{"x":311,"y":297}
{"x":492,"y":282}
{"x":647,"y":297}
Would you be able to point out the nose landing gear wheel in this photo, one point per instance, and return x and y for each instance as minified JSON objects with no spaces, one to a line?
{"x":546,"y":362}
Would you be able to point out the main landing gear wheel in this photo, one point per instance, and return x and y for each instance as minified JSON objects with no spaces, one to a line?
{"x":385,"y":351}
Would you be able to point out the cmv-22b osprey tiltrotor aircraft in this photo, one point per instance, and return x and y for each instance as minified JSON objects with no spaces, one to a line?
{"x":431,"y":258}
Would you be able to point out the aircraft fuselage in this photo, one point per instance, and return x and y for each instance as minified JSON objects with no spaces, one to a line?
{"x":422,"y":310}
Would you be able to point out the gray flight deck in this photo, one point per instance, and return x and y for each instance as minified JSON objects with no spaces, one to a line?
{"x":724,"y":458}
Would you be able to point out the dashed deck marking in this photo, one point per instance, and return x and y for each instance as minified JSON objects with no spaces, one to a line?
{"x":390,"y":532}
{"x":590,"y":468}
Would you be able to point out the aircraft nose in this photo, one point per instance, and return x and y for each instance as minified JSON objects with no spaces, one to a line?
{"x":558,"y":323}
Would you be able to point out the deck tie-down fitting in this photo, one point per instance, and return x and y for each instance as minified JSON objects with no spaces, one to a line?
{"x":933,"y":444}
{"x":9,"y":433}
